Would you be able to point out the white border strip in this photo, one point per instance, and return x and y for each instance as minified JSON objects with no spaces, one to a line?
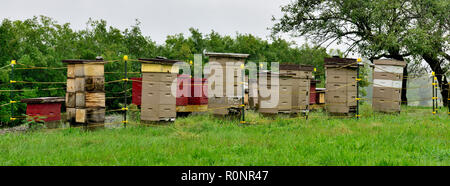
{"x":388,"y":68}
{"x":387,"y":83}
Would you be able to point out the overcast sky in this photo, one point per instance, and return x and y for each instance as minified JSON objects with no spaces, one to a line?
{"x":158,"y":18}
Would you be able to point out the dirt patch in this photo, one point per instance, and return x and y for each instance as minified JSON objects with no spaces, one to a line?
{"x":21,"y":128}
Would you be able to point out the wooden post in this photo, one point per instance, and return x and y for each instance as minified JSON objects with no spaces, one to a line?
{"x":11,"y":95}
{"x":448,"y":98}
{"x":436,"y":83}
{"x":432,"y":93}
{"x":243,"y":93}
{"x":125,"y":83}
{"x":357,"y":88}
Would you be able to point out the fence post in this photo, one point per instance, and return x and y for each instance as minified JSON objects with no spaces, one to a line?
{"x":436,"y":83}
{"x":243,"y":93}
{"x":432,"y":93}
{"x":125,"y":83}
{"x":11,"y":95}
{"x":357,"y":88}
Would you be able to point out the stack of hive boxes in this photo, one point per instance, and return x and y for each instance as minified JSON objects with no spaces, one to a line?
{"x":158,"y":101}
{"x":340,"y":96}
{"x":230,"y":64}
{"x":273,"y":101}
{"x":387,"y":85}
{"x":301,"y":85}
{"x":85,"y":96}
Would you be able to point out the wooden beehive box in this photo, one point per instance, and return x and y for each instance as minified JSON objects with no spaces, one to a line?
{"x":275,"y":94}
{"x":158,"y":99}
{"x":46,"y":109}
{"x":340,"y":84}
{"x":85,"y":94}
{"x":301,"y":85}
{"x":387,"y":85}
{"x":231,"y":82}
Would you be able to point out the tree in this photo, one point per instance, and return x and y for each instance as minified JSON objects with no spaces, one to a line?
{"x":428,"y":39}
{"x":374,"y":28}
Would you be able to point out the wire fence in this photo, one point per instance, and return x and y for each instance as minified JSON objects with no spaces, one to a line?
{"x":123,"y":94}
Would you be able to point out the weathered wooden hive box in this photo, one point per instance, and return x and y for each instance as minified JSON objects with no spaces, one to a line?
{"x":275,"y":93}
{"x":158,"y":100}
{"x":46,"y":109}
{"x":226,"y":70}
{"x":340,"y":96}
{"x":301,"y":82}
{"x":387,"y":85}
{"x":85,"y":94}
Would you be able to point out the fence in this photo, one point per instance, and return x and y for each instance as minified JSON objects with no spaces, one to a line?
{"x":433,"y":86}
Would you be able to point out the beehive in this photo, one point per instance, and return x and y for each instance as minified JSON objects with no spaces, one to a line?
{"x":47,"y":107}
{"x":340,"y":96}
{"x":183,"y":89}
{"x":387,"y":85}
{"x":192,"y":94}
{"x":158,"y":100}
{"x":231,"y":84}
{"x":275,"y":94}
{"x":301,"y":85}
{"x":85,"y":94}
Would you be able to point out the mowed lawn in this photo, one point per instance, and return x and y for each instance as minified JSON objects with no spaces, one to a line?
{"x":414,"y":137}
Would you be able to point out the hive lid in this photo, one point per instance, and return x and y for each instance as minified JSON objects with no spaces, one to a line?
{"x":340,"y":62}
{"x":392,"y":62}
{"x":44,"y":100}
{"x":159,"y":61}
{"x":80,"y":61}
{"x":292,"y":66}
{"x":231,"y":55}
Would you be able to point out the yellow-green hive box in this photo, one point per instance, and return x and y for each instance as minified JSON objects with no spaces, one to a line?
{"x":159,"y":65}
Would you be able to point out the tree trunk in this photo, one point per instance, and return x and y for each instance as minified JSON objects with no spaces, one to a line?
{"x":396,"y":55}
{"x":442,"y":80}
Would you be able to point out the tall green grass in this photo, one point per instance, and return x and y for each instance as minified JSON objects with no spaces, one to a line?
{"x":414,"y":137}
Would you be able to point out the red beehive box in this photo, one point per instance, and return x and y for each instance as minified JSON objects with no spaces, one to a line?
{"x":44,"y":109}
{"x":313,"y":95}
{"x":136,"y":91}
{"x":199,"y":91}
{"x":183,"y":89}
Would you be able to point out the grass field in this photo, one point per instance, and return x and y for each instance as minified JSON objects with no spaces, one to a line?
{"x":414,"y":137}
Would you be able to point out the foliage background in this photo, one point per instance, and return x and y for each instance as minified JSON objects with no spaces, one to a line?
{"x":42,"y":42}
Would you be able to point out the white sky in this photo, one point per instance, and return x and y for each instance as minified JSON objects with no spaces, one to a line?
{"x":158,"y":18}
